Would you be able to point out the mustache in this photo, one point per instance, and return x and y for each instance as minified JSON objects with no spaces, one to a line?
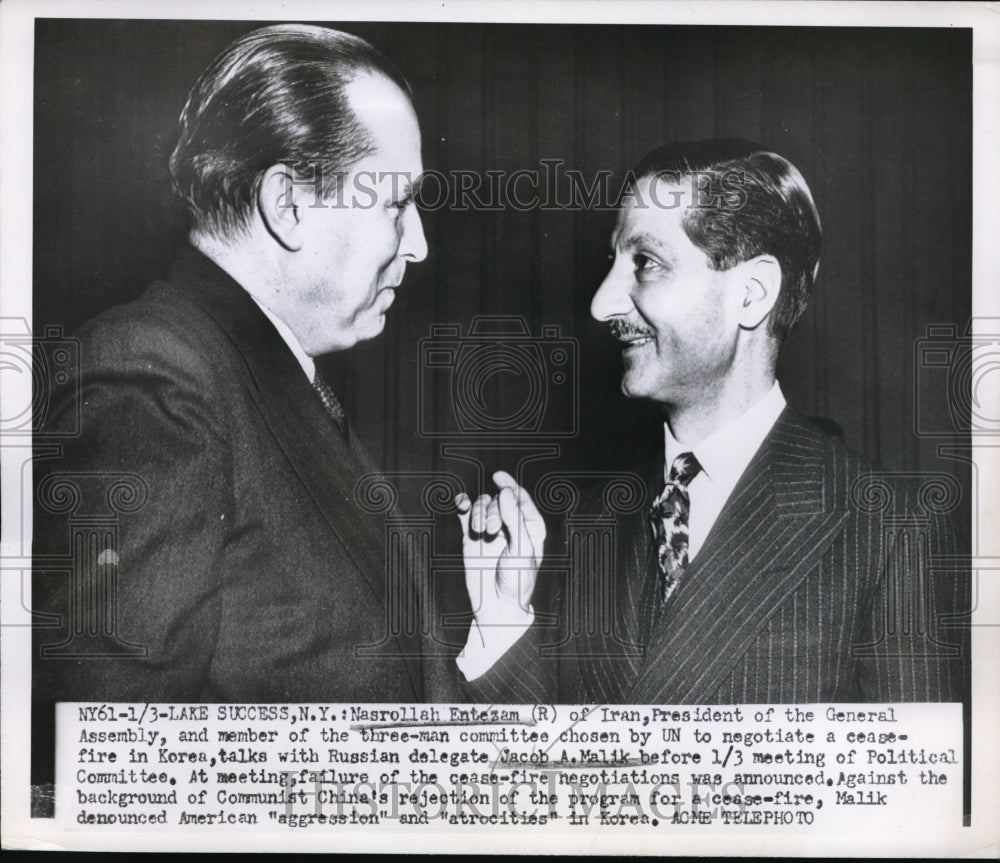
{"x":623,"y":329}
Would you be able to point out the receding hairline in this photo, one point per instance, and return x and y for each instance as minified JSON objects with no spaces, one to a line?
{"x":364,"y":76}
{"x":344,"y":61}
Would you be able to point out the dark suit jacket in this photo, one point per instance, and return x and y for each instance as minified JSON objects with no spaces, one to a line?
{"x":246,"y":570}
{"x":821,"y":581}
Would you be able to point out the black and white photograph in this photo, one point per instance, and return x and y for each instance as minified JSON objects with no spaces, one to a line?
{"x":431,"y":421}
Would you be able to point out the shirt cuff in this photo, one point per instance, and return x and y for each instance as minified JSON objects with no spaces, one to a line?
{"x":487,"y":643}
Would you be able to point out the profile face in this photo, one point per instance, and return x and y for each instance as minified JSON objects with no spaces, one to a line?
{"x":358,"y":242}
{"x":676,"y":317}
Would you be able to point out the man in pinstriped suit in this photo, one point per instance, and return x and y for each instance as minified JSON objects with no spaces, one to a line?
{"x":767,"y":563}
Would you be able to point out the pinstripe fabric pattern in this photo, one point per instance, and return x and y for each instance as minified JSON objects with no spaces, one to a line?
{"x":815,"y":584}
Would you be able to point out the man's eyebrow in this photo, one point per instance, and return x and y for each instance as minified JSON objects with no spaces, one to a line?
{"x":642,"y":238}
{"x":403,"y":186}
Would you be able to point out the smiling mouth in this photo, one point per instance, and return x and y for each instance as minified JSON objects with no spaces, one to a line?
{"x":630,"y":335}
{"x":628,"y":344}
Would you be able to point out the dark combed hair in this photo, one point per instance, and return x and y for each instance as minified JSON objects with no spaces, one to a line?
{"x":754,"y":202}
{"x":275,"y":96}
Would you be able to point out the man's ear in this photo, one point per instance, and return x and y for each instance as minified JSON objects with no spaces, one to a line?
{"x":279,"y":202}
{"x":761,"y":282}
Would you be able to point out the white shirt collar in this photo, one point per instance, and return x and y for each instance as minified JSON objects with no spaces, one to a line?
{"x":725,"y":453}
{"x":304,"y":360}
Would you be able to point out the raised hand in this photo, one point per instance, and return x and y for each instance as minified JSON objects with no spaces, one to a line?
{"x":503,"y":538}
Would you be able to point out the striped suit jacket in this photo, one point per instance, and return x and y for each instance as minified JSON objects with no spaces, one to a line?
{"x":821,"y":581}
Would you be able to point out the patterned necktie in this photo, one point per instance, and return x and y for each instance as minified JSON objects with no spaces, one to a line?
{"x":330,"y":402}
{"x":669,"y":519}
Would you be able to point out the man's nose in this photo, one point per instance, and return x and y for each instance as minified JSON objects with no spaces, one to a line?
{"x":414,"y":244}
{"x":612,"y":298}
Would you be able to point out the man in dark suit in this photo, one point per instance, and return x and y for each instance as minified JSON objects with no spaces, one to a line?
{"x":199,"y":538}
{"x":765,"y":562}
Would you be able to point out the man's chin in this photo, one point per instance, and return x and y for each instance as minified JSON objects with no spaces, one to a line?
{"x":631,"y":387}
{"x":347,"y":339}
{"x":372,"y":329}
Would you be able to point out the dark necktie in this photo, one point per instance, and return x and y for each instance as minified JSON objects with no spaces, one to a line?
{"x":330,"y":402}
{"x":669,"y":519}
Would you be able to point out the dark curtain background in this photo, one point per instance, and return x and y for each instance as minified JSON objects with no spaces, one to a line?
{"x":878,"y":120}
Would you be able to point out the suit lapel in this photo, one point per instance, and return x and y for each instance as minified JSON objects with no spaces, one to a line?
{"x":300,"y":424}
{"x":777,"y":523}
{"x":616,"y":665}
{"x":327,"y":465}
